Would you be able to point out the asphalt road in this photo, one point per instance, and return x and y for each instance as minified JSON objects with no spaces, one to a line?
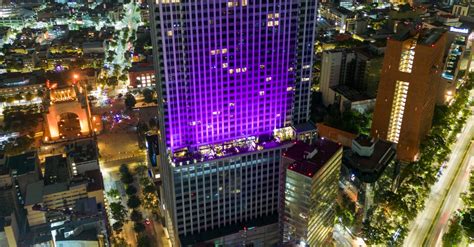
{"x":420,"y":228}
{"x":452,"y":202}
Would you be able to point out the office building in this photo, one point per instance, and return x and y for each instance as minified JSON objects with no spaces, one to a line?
{"x":362,"y":166}
{"x":408,"y":87}
{"x":232,"y":77}
{"x":310,"y":186}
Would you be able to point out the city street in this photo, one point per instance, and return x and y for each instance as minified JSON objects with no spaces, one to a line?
{"x":442,"y":194}
{"x":453,"y":201}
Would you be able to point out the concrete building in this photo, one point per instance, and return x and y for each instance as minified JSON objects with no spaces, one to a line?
{"x":142,"y":75}
{"x":44,"y":203}
{"x":82,"y":156}
{"x":310,"y":192}
{"x":9,"y":231}
{"x":230,"y":87}
{"x":408,"y":88}
{"x":350,"y":77}
{"x":56,"y":170}
{"x":334,"y":71}
{"x":363,"y":165}
{"x":84,"y":225}
{"x":23,"y":169}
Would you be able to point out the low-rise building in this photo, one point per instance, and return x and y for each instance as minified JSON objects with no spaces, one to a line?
{"x":142,"y":75}
{"x":82,"y":156}
{"x":9,"y":231}
{"x":45,"y":203}
{"x":85,"y":225}
{"x":310,"y":192}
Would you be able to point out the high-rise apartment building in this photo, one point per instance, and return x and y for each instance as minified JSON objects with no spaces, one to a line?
{"x":336,"y":65}
{"x":232,"y":77}
{"x":407,"y":90}
{"x":311,"y":187}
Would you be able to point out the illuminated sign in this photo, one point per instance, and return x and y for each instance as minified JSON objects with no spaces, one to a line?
{"x":459,"y":30}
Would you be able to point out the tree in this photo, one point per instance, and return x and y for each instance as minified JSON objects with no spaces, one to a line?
{"x":40,"y":93}
{"x":150,"y":188}
{"x":130,"y":101}
{"x":119,"y":242}
{"x":119,"y":213}
{"x":19,"y":96}
{"x":141,"y":170}
{"x":123,"y":77}
{"x":143,"y":241}
{"x":126,"y":178}
{"x":2,"y":99}
{"x":114,"y":193}
{"x":133,"y":202}
{"x":148,"y":95}
{"x":138,"y":227}
{"x":117,"y":226}
{"x":124,"y":169}
{"x":10,"y":99}
{"x":136,"y":216}
{"x":131,"y":190}
{"x":29,"y":96}
{"x":454,"y":234}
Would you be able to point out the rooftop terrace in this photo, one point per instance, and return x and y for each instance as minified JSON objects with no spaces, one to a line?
{"x":234,"y":147}
{"x":309,"y":159}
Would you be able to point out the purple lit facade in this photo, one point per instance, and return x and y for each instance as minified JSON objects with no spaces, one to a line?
{"x":229,"y":70}
{"x":229,"y":73}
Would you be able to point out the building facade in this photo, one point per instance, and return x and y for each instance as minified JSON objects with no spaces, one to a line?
{"x":334,"y":71}
{"x":408,"y":86}
{"x":232,"y":77}
{"x":311,"y":181}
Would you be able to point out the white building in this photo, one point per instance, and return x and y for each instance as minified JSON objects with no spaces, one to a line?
{"x":333,"y":72}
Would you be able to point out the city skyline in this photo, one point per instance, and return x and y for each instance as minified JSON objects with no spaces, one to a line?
{"x":135,"y":123}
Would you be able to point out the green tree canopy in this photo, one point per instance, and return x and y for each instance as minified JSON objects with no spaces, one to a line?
{"x":133,"y":202}
{"x":119,"y":213}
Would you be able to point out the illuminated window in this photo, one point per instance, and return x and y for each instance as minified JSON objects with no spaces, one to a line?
{"x":225,"y":65}
{"x":232,"y":4}
{"x":268,"y":79}
{"x":167,"y":1}
{"x":407,"y":57}
{"x":261,"y":93}
{"x":398,"y":108}
{"x":219,"y":51}
{"x":305,"y":79}
{"x":169,"y":33}
{"x":272,"y":20}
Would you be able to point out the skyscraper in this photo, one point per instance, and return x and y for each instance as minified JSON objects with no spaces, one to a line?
{"x":232,"y":77}
{"x":407,"y":90}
